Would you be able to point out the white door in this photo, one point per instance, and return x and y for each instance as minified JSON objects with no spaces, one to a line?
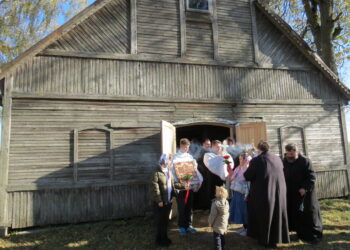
{"x":168,"y":138}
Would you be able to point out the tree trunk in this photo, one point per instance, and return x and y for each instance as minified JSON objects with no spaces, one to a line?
{"x":319,"y":14}
{"x":327,"y":29}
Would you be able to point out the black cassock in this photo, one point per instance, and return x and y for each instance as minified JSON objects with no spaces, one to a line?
{"x":267,"y":203}
{"x":307,"y":221}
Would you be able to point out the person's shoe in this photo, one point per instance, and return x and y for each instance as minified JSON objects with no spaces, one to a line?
{"x":191,"y":230}
{"x":243,"y":232}
{"x":182,"y":231}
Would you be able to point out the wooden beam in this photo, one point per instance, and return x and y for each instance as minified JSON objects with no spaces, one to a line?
{"x":5,"y":150}
{"x":111,"y":154}
{"x":57,"y":186}
{"x":133,"y":24}
{"x":21,"y":95}
{"x":182,"y":27}
{"x":167,"y":59}
{"x":75,"y":155}
{"x":254,"y":33}
{"x":344,"y":134}
{"x":212,"y":8}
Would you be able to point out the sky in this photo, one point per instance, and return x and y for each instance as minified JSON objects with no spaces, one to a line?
{"x":345,"y":77}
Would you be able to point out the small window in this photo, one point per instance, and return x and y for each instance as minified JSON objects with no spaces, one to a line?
{"x":198,"y":5}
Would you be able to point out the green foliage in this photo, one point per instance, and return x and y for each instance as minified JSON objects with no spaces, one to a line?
{"x":24,"y":22}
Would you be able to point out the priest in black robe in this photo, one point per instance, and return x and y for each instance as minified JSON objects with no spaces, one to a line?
{"x":267,"y":201}
{"x":303,"y":207}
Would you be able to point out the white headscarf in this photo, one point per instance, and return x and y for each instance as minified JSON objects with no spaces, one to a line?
{"x":163,"y":160}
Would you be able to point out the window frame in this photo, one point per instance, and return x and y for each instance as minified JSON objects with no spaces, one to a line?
{"x":188,"y":8}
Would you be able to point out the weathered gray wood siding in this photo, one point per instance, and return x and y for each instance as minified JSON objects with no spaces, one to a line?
{"x":105,"y":31}
{"x":41,"y":138}
{"x":235,"y":30}
{"x":67,"y":206}
{"x":111,"y":78}
{"x":275,"y":48}
{"x":41,"y":152}
{"x":199,"y":40}
{"x":158,"y":27}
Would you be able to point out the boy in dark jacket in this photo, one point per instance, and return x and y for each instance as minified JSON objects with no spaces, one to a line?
{"x":162,"y":191}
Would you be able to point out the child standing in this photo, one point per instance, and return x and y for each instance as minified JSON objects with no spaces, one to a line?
{"x":218,"y":218}
{"x":240,"y":190}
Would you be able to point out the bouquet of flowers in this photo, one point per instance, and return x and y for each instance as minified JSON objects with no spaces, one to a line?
{"x":228,"y":163}
{"x":187,"y":179}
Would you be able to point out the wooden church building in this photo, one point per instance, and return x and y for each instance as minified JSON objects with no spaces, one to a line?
{"x":88,"y":110}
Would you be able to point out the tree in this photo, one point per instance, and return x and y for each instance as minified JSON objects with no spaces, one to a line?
{"x":24,"y":22}
{"x":324,"y":24}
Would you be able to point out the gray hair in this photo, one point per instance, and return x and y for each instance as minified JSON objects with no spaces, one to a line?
{"x":291,"y":147}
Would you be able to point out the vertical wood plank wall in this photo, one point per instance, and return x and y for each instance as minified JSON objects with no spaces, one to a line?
{"x":65,"y":76}
{"x":51,"y":101}
{"x":235,"y":30}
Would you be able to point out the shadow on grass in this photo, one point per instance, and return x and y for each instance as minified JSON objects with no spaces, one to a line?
{"x":138,"y":233}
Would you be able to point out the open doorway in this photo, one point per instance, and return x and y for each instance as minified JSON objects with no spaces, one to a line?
{"x":249,"y":133}
{"x":197,"y":133}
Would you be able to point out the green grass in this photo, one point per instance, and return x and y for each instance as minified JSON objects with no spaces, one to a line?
{"x":137,"y":233}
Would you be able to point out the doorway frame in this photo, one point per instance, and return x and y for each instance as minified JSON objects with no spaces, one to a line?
{"x":207,"y":122}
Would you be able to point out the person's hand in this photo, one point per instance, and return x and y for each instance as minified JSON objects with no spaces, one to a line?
{"x":246,"y":198}
{"x":302,"y":191}
{"x":194,"y":165}
{"x":160,"y":204}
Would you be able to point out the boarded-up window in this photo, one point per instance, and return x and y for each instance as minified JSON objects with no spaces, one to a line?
{"x":293,"y":134}
{"x":93,"y":156}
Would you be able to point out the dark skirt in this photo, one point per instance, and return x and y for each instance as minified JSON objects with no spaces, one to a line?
{"x":238,"y":209}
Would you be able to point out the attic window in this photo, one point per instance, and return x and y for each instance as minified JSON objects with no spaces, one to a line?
{"x":198,"y":5}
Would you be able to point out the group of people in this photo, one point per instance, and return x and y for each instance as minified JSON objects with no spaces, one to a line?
{"x":267,"y":195}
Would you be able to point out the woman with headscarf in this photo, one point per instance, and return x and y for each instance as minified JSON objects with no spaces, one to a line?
{"x":240,"y":190}
{"x":162,"y":192}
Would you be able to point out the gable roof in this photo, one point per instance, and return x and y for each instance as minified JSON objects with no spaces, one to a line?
{"x":43,"y":43}
{"x":296,"y":39}
{"x":283,"y":26}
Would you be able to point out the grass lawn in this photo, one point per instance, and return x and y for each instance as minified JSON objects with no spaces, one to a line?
{"x":137,"y":233}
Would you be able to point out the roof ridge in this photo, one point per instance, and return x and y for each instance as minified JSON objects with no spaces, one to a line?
{"x":39,"y":46}
{"x":303,"y":46}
